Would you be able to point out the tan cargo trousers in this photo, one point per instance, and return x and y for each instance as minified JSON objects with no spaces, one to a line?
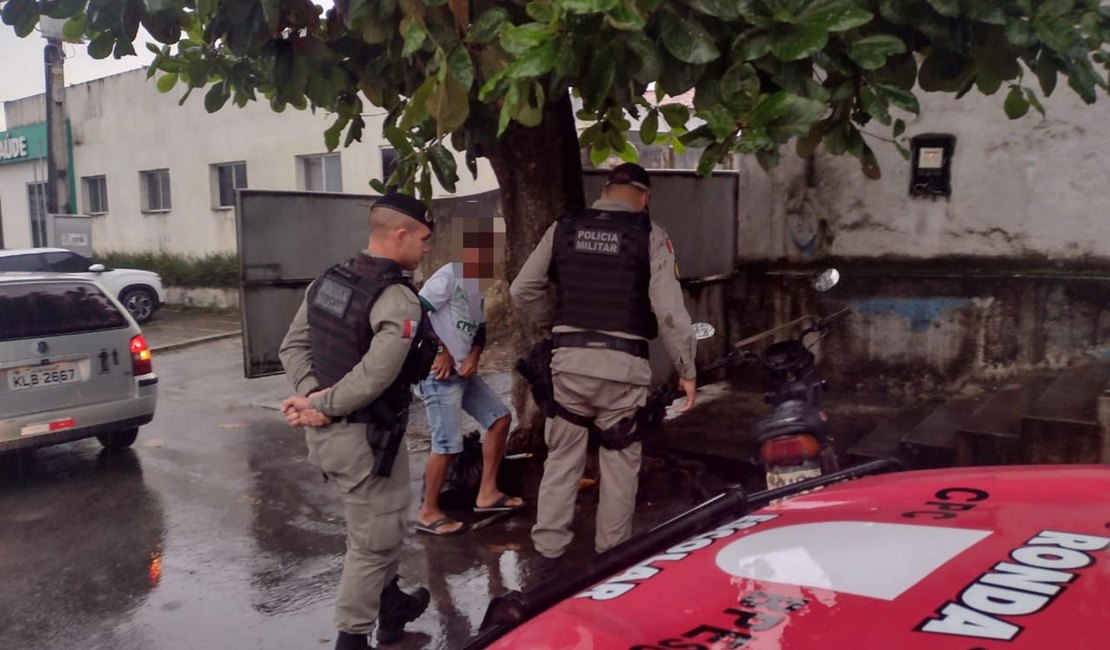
{"x":375,"y":531}
{"x":608,"y":402}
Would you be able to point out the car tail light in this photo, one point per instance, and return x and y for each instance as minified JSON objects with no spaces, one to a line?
{"x":140,"y":357}
{"x":789,"y":450}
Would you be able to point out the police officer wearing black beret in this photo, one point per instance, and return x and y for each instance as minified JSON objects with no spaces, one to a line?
{"x":351,"y":352}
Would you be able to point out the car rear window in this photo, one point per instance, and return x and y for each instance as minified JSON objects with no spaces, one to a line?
{"x":30,"y":310}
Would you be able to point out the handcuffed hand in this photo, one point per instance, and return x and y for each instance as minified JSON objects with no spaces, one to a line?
{"x":298,"y":411}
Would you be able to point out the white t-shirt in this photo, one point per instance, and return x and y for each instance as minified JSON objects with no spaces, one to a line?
{"x":457,"y":309}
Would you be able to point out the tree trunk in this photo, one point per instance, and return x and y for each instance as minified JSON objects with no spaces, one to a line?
{"x":539,"y":170}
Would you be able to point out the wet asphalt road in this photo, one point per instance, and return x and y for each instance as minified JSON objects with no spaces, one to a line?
{"x":212,"y":532}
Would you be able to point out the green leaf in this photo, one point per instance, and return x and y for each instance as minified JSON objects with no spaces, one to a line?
{"x":686,"y":39}
{"x":768,"y":159}
{"x":23,"y":15}
{"x":752,"y":46}
{"x":417,"y":110}
{"x":1046,"y":73}
{"x":166,"y":82}
{"x":902,"y":150}
{"x":986,"y":12}
{"x":1056,"y":33}
{"x":588,"y":6}
{"x":651,"y":60}
{"x":770,"y":108}
{"x":444,"y":166}
{"x":541,"y":12}
{"x":1031,"y":97}
{"x":1016,"y":105}
{"x":741,"y":81}
{"x":900,"y":97}
{"x":871,"y":52}
{"x":1020,"y":32}
{"x":727,"y":9}
{"x":530,"y":111}
{"x":331,"y":135}
{"x":414,"y":34}
{"x":449,"y":105}
{"x":599,"y":154}
{"x":676,"y":115}
{"x":101,"y":46}
{"x":216,"y":97}
{"x":461,"y":66}
{"x":649,"y":127}
{"x":798,"y":118}
{"x":518,"y":39}
{"x":949,"y":8}
{"x":795,"y":42}
{"x":628,"y":153}
{"x":534,"y":63}
{"x":899,"y":128}
{"x":835,"y":15}
{"x":74,"y":29}
{"x":484,"y":29}
{"x":875,"y":106}
{"x":626,"y":17}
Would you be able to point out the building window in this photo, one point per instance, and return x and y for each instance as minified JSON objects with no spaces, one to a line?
{"x":389,"y":162}
{"x":322,"y":173}
{"x":155,"y":187}
{"x":228,"y":178}
{"x":36,"y":207}
{"x":96,"y":194}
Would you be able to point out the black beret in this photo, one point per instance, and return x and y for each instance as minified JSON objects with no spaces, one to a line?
{"x":630,"y":174}
{"x":405,"y":204}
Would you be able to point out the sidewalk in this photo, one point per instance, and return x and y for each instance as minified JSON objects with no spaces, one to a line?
{"x":173,"y":328}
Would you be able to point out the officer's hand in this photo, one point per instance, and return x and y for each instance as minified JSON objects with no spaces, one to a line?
{"x":443,"y":365}
{"x":314,"y":418}
{"x":469,"y":366}
{"x":690,"y":388}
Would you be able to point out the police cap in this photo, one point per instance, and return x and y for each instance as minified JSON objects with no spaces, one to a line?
{"x":407,"y":205}
{"x":630,"y":174}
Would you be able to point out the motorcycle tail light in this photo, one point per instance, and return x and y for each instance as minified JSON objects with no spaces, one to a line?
{"x":789,"y":450}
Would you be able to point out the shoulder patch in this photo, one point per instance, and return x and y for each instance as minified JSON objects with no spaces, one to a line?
{"x":409,"y":328}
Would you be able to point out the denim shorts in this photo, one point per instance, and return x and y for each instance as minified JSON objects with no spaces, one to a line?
{"x":446,"y":399}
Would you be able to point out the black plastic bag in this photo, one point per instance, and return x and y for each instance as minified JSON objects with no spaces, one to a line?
{"x":464,"y":476}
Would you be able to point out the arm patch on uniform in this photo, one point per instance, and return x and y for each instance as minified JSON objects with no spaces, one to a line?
{"x":409,"y":328}
{"x":333,"y":297}
{"x":597,"y":241}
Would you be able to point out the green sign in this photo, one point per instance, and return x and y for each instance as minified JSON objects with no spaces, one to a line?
{"x":23,"y":144}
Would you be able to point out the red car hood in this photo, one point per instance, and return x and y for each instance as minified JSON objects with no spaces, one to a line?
{"x":961,"y":559}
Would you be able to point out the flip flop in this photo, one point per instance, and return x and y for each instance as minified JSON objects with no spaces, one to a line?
{"x":501,"y":505}
{"x":433,"y":528}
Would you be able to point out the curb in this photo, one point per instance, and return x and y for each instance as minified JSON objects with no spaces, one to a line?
{"x":195,"y":341}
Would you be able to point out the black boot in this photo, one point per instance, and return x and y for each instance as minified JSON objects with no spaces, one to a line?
{"x":398,"y":608}
{"x":346,"y":641}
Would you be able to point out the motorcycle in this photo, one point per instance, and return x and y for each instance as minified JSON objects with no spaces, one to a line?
{"x":792,"y":441}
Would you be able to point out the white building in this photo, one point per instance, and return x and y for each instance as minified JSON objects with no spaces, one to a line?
{"x":156,"y":176}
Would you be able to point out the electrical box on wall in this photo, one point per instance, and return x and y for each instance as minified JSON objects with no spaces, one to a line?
{"x":931,"y":160}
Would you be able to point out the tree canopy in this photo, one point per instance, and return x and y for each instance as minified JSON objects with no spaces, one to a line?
{"x":762,"y":72}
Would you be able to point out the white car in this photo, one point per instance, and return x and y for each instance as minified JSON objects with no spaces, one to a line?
{"x":140,"y":292}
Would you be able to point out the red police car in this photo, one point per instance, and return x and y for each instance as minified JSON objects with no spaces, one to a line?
{"x":960,"y":559}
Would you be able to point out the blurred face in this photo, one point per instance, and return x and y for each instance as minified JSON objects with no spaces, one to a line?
{"x":412,"y":245}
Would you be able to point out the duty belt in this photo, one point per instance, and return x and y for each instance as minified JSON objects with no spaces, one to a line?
{"x":597,"y":340}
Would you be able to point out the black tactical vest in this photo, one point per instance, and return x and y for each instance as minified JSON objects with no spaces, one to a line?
{"x":601,"y":267}
{"x":339,"y":307}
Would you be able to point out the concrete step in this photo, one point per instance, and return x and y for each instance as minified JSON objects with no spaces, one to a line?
{"x":932,"y":443}
{"x":885,"y":440}
{"x":1062,"y":426}
{"x":992,"y":435}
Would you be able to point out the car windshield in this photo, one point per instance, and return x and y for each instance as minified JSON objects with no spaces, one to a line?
{"x":54,"y":308}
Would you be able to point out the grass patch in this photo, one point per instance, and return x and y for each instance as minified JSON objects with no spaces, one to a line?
{"x":218,"y":270}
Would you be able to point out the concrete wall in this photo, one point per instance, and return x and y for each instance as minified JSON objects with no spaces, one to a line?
{"x":122,"y":125}
{"x":1027,"y":188}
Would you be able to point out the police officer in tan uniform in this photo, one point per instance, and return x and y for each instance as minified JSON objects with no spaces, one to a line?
{"x":613,"y":271}
{"x":350,"y":353}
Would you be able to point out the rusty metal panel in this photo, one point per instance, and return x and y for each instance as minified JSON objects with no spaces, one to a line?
{"x":699,"y":215}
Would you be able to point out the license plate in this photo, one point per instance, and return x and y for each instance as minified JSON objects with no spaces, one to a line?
{"x":57,"y":374}
{"x":782,"y":479}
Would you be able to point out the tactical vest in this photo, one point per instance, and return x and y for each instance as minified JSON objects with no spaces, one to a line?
{"x":601,"y":267}
{"x":339,"y":307}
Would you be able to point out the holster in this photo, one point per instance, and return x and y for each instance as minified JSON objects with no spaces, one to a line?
{"x":385,"y":431}
{"x":536,"y":370}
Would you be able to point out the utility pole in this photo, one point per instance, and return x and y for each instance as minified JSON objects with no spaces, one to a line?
{"x":58,"y":199}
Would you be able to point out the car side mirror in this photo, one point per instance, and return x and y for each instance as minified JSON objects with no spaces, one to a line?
{"x":96,"y":268}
